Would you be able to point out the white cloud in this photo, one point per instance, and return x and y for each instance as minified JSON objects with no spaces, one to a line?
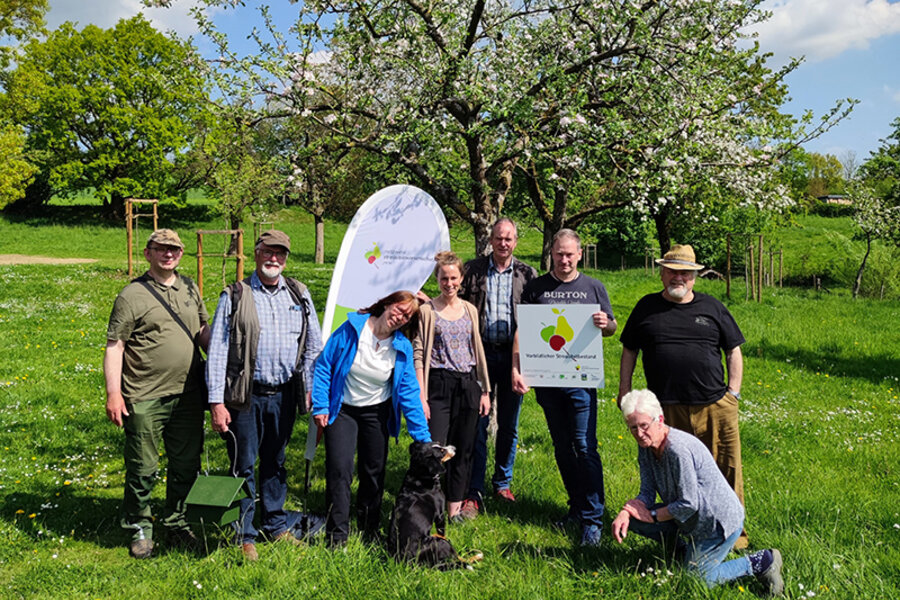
{"x":106,"y":13}
{"x":821,"y":29}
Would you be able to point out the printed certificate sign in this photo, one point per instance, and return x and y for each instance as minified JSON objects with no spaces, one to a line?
{"x":559,"y":345}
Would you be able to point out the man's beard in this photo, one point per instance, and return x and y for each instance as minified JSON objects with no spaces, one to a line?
{"x":271,"y":271}
{"x":678,"y":292}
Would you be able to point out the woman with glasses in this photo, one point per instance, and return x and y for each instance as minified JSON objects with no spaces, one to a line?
{"x":363,"y":379}
{"x":698,"y":513}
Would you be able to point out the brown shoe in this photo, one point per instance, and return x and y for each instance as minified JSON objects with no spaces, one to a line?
{"x":505,"y":495}
{"x":287,"y":536}
{"x":249,"y":552}
{"x":743,"y":542}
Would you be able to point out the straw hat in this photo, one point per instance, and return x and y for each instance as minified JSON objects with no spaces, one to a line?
{"x":680,"y":258}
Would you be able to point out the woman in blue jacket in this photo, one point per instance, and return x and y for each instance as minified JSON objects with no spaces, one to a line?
{"x":363,"y":379}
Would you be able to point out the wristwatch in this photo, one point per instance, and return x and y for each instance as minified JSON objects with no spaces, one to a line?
{"x":734,"y":393}
{"x":653,"y":514}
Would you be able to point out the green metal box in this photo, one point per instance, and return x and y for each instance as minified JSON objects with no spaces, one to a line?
{"x":215,"y":499}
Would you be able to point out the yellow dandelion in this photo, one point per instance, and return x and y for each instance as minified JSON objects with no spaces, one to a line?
{"x":67,"y":482}
{"x":32,"y":515}
{"x":620,"y":437}
{"x":740,"y":588}
{"x":20,"y":512}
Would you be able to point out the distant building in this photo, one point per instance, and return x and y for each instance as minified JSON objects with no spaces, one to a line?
{"x":835,"y":199}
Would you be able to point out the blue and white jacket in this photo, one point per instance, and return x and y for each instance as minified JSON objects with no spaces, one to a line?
{"x":334,"y":364}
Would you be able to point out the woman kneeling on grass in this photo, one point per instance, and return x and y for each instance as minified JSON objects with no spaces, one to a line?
{"x":452,"y":369}
{"x":697,"y":501}
{"x":363,"y":379}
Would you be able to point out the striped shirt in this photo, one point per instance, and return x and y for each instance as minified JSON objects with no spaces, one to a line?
{"x":280,"y":323}
{"x":498,"y":304}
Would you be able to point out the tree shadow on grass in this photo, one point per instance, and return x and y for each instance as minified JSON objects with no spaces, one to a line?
{"x":831,"y":359}
{"x":87,"y":518}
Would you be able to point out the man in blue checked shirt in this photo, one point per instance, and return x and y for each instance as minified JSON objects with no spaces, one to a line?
{"x":265,"y":339}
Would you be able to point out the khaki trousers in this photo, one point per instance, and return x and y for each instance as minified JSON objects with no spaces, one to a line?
{"x":716,"y":425}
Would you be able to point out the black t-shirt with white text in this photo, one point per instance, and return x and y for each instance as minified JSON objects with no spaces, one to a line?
{"x":682,"y":346}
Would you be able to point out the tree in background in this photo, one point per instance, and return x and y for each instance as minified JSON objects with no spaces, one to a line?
{"x":882,"y":169}
{"x":109,"y":110}
{"x":20,"y":20}
{"x":466,"y":95}
{"x":877,"y":219}
{"x":15,"y":171}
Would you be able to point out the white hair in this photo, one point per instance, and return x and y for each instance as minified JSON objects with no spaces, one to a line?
{"x":642,"y":401}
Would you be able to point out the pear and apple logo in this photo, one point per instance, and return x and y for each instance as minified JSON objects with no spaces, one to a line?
{"x":373,"y":255}
{"x":557,"y":336}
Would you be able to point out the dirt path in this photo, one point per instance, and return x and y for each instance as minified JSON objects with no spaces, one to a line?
{"x":23,"y":259}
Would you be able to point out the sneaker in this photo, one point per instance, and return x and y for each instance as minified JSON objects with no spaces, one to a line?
{"x":505,"y":495}
{"x":249,"y":551}
{"x":771,"y":577}
{"x":288,"y":537}
{"x":141,"y":548}
{"x":590,"y":536}
{"x":470,"y":509}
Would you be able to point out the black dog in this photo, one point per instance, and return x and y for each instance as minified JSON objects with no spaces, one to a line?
{"x":421,"y":504}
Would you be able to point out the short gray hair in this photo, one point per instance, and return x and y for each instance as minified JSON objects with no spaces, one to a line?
{"x":642,"y":401}
{"x":567,"y":233}
{"x":503,"y":220}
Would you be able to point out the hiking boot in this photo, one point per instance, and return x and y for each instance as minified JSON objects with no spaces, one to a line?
{"x":184,"y":538}
{"x":771,"y":576}
{"x":743,"y":542}
{"x":469,"y":510}
{"x":249,"y":551}
{"x":141,"y":548}
{"x":590,"y":536}
{"x":287,"y":536}
{"x":505,"y":495}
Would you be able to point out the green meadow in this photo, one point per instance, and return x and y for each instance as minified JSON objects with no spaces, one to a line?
{"x":820,"y":427}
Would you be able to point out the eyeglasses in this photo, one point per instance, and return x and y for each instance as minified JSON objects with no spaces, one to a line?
{"x":165,"y":249}
{"x":642,"y":427}
{"x":267,"y":252}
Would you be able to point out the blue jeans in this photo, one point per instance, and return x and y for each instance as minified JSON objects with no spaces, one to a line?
{"x":262,"y":430}
{"x":703,"y":557}
{"x":508,"y":404}
{"x":571,"y":415}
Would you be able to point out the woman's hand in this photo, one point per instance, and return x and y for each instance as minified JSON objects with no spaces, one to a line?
{"x":426,"y":409}
{"x":321,"y":421}
{"x":484,"y":409}
{"x":620,"y":525}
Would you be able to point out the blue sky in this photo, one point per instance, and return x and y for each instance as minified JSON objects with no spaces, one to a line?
{"x":851,"y":50}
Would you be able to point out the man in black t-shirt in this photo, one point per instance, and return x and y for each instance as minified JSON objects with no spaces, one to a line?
{"x":571,"y":413}
{"x":683,"y":335}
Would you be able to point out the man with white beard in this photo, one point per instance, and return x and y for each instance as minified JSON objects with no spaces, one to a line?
{"x":265,"y":339}
{"x":683,"y":335}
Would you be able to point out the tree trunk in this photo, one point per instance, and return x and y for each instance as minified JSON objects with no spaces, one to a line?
{"x":663,"y":229}
{"x":482,"y":229}
{"x":862,"y":267}
{"x":234,"y":222}
{"x":320,"y":239}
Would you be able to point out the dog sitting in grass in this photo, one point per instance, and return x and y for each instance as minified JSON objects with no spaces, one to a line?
{"x":421,"y":505}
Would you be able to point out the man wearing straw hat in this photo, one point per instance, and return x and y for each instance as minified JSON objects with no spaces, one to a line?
{"x":683,"y":335}
{"x":154,"y":388}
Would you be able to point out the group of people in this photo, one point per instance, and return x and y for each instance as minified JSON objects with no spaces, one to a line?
{"x":445,"y":363}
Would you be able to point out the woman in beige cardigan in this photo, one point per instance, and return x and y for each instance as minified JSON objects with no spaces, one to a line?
{"x":453,"y":377}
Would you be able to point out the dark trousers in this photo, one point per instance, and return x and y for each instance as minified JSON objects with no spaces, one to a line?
{"x":262,"y":430}
{"x":453,"y":399}
{"x":572,"y":420}
{"x":177,"y":421}
{"x":360,"y":432}
{"x":508,"y":404}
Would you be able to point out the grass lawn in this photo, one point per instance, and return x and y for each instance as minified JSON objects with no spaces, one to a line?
{"x":820,"y":425}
